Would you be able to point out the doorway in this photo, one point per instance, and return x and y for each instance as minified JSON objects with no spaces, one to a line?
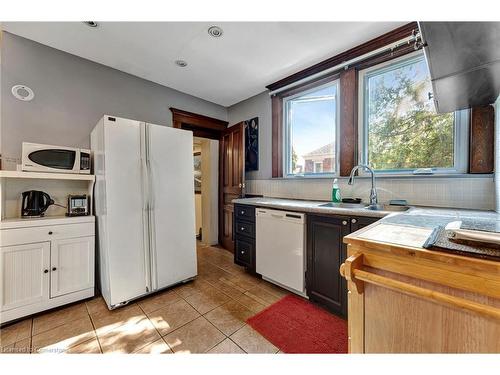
{"x":230,"y":173}
{"x":206,"y":181}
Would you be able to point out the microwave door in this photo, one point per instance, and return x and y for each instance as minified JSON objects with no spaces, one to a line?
{"x":53,"y":160}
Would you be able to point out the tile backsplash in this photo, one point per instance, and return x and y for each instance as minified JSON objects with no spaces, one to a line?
{"x":459,"y":192}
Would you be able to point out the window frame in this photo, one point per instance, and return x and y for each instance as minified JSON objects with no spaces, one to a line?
{"x":461,"y":124}
{"x":286,"y":159}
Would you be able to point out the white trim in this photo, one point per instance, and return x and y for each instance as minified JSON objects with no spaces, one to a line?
{"x":286,"y":133}
{"x":461,"y":126}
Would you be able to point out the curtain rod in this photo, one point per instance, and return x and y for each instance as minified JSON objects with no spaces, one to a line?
{"x":344,"y":65}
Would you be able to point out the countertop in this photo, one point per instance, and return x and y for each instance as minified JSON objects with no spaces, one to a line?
{"x":308,"y":207}
{"x":410,"y":228}
{"x":417,"y":216}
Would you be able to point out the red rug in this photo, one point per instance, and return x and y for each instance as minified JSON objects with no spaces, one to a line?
{"x":295,"y":325}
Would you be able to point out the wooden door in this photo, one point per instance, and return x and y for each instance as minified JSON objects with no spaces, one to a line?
{"x":325,"y":254}
{"x":71,"y":265}
{"x":24,"y":275}
{"x":232,"y":179}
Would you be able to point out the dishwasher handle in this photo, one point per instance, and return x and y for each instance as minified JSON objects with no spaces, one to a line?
{"x":280,"y":215}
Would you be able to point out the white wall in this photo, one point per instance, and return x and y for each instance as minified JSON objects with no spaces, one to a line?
{"x":475,"y":192}
{"x":72,"y":94}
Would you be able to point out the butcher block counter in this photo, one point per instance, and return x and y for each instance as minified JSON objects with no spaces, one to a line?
{"x":403,"y":298}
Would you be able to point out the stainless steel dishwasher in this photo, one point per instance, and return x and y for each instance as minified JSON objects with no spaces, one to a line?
{"x":280,"y":250}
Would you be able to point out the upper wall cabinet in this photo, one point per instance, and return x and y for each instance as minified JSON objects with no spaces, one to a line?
{"x":464,"y":63}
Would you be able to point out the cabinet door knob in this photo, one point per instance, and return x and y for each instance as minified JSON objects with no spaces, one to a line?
{"x":242,"y":252}
{"x":242,"y":228}
{"x":45,"y":271}
{"x":344,"y":222}
{"x":243,"y":212}
{"x":354,"y":221}
{"x":240,"y":186}
{"x":50,"y":232}
{"x":54,"y":268}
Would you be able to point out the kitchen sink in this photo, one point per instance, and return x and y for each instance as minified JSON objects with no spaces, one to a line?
{"x":344,"y":205}
{"x":387,"y":207}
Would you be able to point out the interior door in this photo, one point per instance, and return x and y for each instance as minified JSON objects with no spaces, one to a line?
{"x":172,"y":220}
{"x":71,"y":265}
{"x":24,"y":274}
{"x":232,"y":179}
{"x":125,"y":209}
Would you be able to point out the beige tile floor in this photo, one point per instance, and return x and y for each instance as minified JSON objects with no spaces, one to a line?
{"x":206,"y":315}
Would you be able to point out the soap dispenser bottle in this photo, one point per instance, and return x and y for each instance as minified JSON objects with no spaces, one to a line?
{"x":336,"y":191}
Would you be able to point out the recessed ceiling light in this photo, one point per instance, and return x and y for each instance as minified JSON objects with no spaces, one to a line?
{"x":215,"y":31}
{"x":91,"y":23}
{"x":181,"y":63}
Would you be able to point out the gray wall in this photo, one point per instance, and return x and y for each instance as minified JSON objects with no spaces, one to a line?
{"x":72,"y":94}
{"x":257,"y":106}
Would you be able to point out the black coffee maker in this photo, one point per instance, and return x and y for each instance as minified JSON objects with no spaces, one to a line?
{"x":35,"y":203}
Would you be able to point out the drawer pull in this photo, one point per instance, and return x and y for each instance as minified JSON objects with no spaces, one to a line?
{"x":45,"y":271}
{"x":50,"y":232}
{"x":54,"y":268}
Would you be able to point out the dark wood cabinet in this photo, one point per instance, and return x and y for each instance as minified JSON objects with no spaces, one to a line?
{"x":325,"y":253}
{"x":244,"y":236}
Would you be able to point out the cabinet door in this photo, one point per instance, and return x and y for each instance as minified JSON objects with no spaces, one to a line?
{"x":325,"y":254}
{"x":24,"y":274}
{"x":244,"y":252}
{"x":361,"y":222}
{"x":71,"y":265}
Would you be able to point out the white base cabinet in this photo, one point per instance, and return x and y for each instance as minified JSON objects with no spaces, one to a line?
{"x":45,"y":266}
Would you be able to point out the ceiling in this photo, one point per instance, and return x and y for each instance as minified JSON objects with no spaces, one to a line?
{"x":225,"y":70}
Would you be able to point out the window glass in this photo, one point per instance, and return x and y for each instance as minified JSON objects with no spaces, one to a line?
{"x":310,"y":132}
{"x":402,"y":131}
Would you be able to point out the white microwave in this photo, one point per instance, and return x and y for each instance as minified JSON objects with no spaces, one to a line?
{"x":46,"y":158}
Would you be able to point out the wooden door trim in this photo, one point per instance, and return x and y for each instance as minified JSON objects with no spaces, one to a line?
{"x":205,"y":127}
{"x":200,"y":125}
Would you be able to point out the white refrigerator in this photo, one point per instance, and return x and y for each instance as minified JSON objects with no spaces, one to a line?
{"x":144,"y":207}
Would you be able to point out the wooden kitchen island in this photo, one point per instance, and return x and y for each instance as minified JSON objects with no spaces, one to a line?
{"x":406,"y":299}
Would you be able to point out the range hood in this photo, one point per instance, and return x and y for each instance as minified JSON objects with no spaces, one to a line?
{"x":464,"y":63}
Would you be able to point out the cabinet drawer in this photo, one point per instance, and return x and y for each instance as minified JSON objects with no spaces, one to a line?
{"x":244,"y":212}
{"x":16,"y":236}
{"x":245,"y":228}
{"x":243,"y":252}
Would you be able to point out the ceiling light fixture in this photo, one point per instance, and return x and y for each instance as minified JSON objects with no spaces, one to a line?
{"x":91,"y":23}
{"x":215,"y":31}
{"x":181,"y":63}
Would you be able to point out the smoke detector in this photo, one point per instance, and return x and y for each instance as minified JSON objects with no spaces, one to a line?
{"x":23,"y":92}
{"x":181,"y":63}
{"x":215,"y":31}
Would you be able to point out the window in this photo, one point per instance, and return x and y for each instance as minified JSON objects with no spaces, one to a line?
{"x":310,"y":132}
{"x":400,"y":130}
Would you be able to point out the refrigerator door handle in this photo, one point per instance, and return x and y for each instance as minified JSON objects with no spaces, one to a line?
{"x":146,"y":211}
{"x":151,"y":214}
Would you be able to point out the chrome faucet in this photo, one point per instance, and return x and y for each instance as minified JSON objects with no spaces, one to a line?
{"x":373,"y":191}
